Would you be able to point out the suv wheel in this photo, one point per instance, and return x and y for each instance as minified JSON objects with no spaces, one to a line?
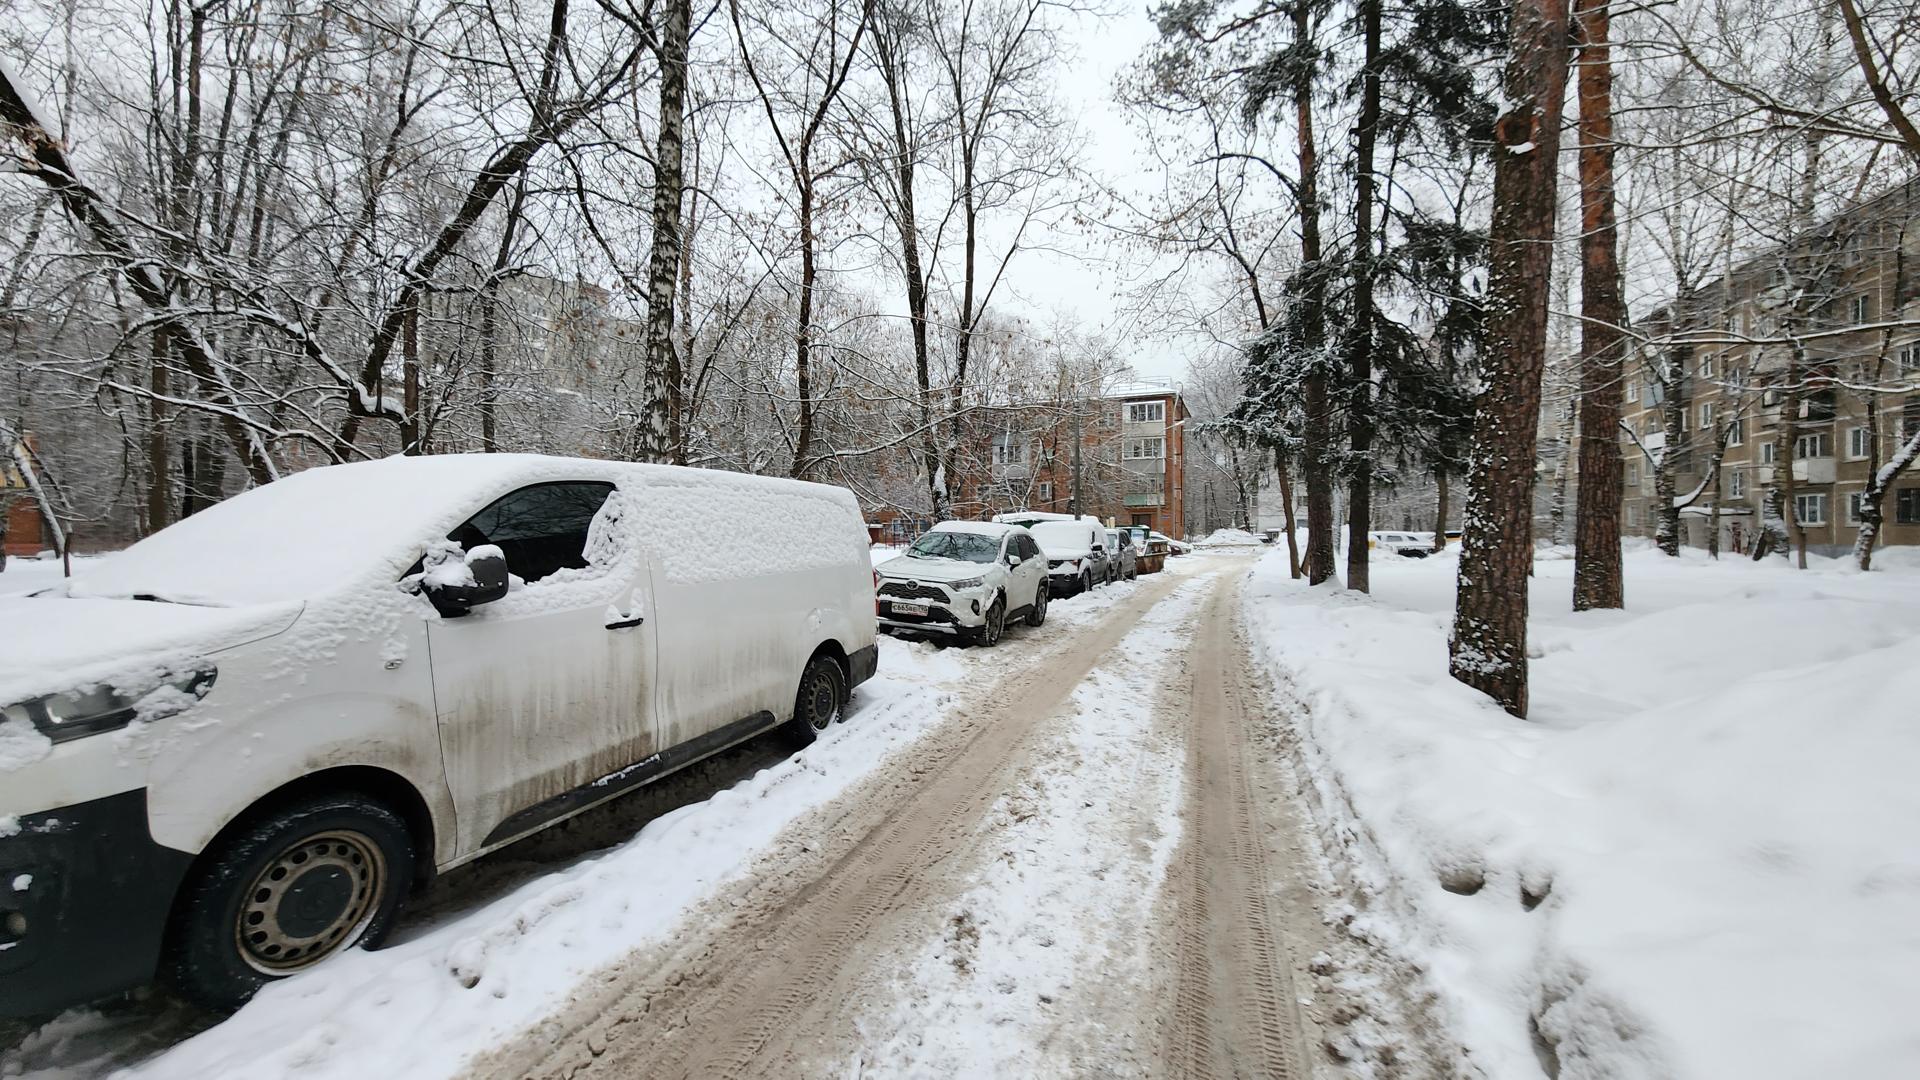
{"x":1086,"y":581}
{"x":302,"y":884}
{"x":1037,"y":614}
{"x":823,"y":690}
{"x":996,"y":624}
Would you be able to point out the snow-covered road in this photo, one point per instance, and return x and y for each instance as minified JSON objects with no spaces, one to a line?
{"x":1002,"y":864}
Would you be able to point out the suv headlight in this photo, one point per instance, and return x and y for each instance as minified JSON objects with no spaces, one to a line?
{"x":968,"y":583}
{"x":74,"y":714}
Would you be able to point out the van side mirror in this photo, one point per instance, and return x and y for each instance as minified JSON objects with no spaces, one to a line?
{"x":457,"y":586}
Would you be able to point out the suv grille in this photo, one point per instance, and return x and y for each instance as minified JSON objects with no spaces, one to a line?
{"x":913,"y":591}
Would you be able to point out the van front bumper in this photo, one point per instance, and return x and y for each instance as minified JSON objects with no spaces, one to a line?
{"x":84,"y":897}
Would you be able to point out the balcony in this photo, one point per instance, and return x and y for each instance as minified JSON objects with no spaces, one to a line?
{"x":1819,"y":470}
{"x":1144,"y":499}
{"x":1654,"y":441}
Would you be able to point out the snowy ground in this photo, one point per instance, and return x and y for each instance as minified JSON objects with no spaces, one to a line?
{"x":1699,"y":858}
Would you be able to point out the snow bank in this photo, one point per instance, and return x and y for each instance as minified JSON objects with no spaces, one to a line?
{"x":1228,"y":538}
{"x":1700,"y":858}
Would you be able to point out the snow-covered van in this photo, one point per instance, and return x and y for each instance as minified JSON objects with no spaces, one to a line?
{"x":1076,"y":554}
{"x":228,"y":752}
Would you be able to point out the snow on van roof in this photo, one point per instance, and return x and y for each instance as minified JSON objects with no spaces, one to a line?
{"x":321,"y":529}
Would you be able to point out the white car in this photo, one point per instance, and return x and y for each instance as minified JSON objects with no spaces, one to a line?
{"x":965,"y":579}
{"x":228,"y":752}
{"x":1076,"y":554}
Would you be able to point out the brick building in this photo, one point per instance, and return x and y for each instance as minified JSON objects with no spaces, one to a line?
{"x":1814,"y":344}
{"x":1132,"y":444}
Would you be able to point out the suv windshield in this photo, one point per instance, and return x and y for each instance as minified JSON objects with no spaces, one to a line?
{"x":968,"y":547}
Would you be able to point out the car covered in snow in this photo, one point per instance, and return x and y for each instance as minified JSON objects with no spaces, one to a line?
{"x":1123,"y":559}
{"x":1407,"y":544}
{"x":228,"y":752}
{"x":964,"y":579}
{"x":1076,"y":551}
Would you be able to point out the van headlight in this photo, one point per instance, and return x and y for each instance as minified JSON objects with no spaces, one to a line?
{"x":74,"y":714}
{"x":965,"y":584}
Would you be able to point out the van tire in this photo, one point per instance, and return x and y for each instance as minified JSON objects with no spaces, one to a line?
{"x":353,"y":858}
{"x":1086,"y":581}
{"x":818,"y":704}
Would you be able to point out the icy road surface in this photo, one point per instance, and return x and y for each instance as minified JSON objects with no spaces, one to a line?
{"x":1075,"y":854}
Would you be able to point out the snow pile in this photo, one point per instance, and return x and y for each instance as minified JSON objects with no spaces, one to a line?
{"x":1700,"y":857}
{"x":1228,"y":538}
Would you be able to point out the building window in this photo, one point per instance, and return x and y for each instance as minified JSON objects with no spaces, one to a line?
{"x":1706,"y":367}
{"x":1810,"y":509}
{"x":1009,"y":449}
{"x":1143,"y":519}
{"x":1633,"y":475}
{"x":1045,"y":492}
{"x":1633,"y":516}
{"x":1857,"y":443}
{"x":1146,"y":412}
{"x":1862,"y":306}
{"x":1906,"y":506}
{"x":1706,"y":416}
{"x":1633,"y":391}
{"x":1155,"y":447}
{"x":1737,"y":432}
{"x":1909,"y":359}
{"x":1819,"y":444}
{"x":1853,"y":507}
{"x":1909,"y":418}
{"x":1737,"y":483}
{"x":1767,"y":452}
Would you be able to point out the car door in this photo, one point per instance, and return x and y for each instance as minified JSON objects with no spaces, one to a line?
{"x":548,"y":689}
{"x":1035,"y":567}
{"x":1020,"y":579}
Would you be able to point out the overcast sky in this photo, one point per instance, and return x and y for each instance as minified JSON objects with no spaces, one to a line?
{"x":1087,"y":283}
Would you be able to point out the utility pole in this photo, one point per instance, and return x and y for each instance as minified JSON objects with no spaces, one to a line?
{"x":1073,"y":503}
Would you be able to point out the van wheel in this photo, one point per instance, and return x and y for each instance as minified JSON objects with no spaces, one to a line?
{"x":1037,"y":614}
{"x":298,"y":886}
{"x":1086,"y":581}
{"x":823,"y":690}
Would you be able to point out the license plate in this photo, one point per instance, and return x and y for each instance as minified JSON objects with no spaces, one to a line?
{"x":906,"y":607}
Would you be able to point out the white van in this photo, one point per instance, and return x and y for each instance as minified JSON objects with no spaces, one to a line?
{"x":227,"y":752}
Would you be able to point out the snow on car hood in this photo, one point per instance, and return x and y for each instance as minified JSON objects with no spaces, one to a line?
{"x":932,"y":569}
{"x":50,"y":643}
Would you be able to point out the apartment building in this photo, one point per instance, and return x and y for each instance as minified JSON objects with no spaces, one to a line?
{"x":1807,"y":356}
{"x":1131,"y":453}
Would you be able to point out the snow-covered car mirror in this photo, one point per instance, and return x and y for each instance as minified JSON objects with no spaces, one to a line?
{"x":456,"y":586}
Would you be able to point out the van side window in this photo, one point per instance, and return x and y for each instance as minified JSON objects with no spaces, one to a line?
{"x":542,"y":528}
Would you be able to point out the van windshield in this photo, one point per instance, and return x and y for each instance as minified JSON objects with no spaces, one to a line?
{"x":966,"y":547}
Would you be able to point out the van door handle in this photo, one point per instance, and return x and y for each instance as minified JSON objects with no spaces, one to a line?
{"x":624,"y":624}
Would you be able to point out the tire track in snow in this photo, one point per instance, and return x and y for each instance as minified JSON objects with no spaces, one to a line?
{"x":1234,"y":1006}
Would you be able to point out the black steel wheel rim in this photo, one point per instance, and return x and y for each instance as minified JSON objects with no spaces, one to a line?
{"x":313,"y":899}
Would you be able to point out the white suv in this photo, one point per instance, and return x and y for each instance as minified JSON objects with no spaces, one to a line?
{"x":965,"y":579}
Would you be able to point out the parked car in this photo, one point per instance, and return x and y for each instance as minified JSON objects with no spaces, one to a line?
{"x":1122,"y":560}
{"x":231,"y":750}
{"x":1411,"y":545}
{"x":1174,"y":547}
{"x":965,"y":579}
{"x":1076,"y":552}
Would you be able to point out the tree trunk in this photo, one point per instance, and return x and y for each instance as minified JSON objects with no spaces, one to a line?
{"x":489,"y":367}
{"x":159,"y":460}
{"x":1597,"y":578}
{"x":803,"y":336}
{"x":1488,"y":650}
{"x":1673,"y":413}
{"x":1318,"y":433}
{"x":1286,"y":511}
{"x":661,"y":388}
{"x":1359,"y":345}
{"x":1557,"y":506}
{"x":1440,"y":510}
{"x":886,"y":48}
